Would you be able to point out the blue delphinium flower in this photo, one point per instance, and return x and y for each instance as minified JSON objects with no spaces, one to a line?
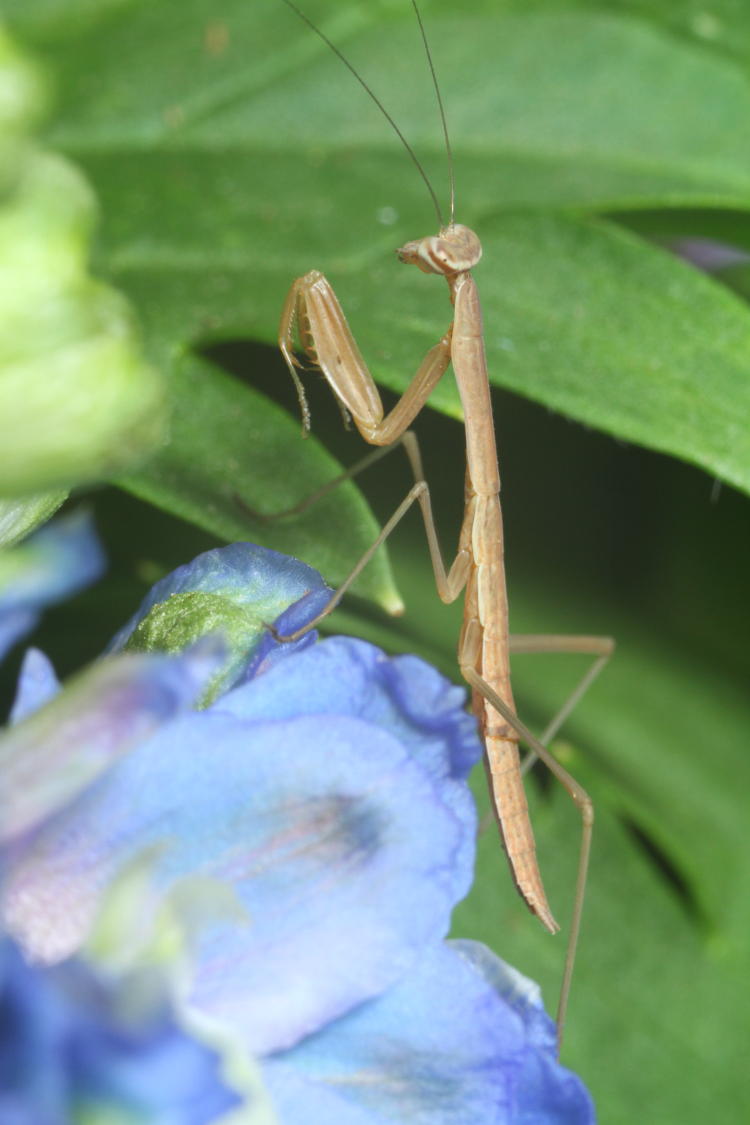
{"x":53,"y":564}
{"x":76,"y":1049}
{"x":323,"y":786}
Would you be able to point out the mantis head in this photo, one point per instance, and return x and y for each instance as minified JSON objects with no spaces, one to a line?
{"x":454,"y":250}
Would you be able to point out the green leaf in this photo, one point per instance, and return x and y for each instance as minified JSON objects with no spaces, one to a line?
{"x":238,"y":164}
{"x":612,"y":340}
{"x":556,"y":124}
{"x":221,"y":471}
{"x":722,"y":27}
{"x":18,"y":518}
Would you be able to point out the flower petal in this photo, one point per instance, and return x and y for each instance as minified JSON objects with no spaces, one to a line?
{"x":546,"y":1091}
{"x":337,"y":844}
{"x":56,"y":561}
{"x":37,"y":685}
{"x":72,"y":1045}
{"x":344,"y":676}
{"x":49,"y":758}
{"x":441,"y":1047}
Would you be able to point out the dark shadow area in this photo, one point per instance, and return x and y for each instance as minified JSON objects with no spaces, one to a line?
{"x":668,"y":871}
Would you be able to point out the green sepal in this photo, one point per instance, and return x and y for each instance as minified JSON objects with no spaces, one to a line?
{"x":180,"y":621}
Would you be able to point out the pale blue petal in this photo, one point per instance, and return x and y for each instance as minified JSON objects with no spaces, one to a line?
{"x":13,"y":1111}
{"x":523,"y":995}
{"x":49,"y":758}
{"x":70,"y":1043}
{"x":546,"y":1091}
{"x":344,"y":676}
{"x":441,"y":1047}
{"x":37,"y":685}
{"x":337,"y":845}
{"x":51,"y":565}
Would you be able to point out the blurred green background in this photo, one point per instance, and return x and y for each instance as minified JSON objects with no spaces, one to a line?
{"x":229,"y":153}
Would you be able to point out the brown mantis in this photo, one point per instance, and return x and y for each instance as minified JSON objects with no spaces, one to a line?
{"x":313,"y":311}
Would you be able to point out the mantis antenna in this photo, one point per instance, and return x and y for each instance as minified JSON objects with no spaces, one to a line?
{"x":441,"y":107}
{"x":371,"y":93}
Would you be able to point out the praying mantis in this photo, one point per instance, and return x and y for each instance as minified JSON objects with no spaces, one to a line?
{"x":313,"y":322}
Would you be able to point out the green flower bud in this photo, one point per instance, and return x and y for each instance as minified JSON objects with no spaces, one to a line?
{"x":77,"y":401}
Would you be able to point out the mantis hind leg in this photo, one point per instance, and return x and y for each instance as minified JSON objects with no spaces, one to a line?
{"x":576,"y":791}
{"x":601,"y":648}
